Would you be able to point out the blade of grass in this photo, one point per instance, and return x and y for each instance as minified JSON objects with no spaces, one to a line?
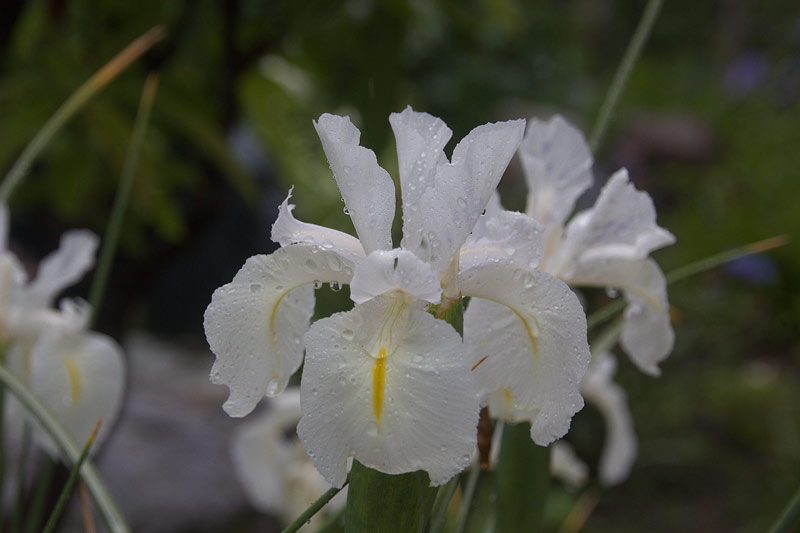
{"x":102,"y":497}
{"x":468,"y":494}
{"x":443,"y":497}
{"x":74,"y":103}
{"x":313,"y":509}
{"x":630,"y":58}
{"x":22,"y":463}
{"x":790,"y":518}
{"x":66,"y":492}
{"x":114,"y":227}
{"x":696,"y":267}
{"x":86,"y":507}
{"x":33,"y":520}
{"x":2,"y":424}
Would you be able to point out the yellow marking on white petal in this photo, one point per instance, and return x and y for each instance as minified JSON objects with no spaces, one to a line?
{"x":378,"y":384}
{"x":508,"y":399}
{"x":74,"y":379}
{"x":273,"y":316}
{"x":531,"y":336}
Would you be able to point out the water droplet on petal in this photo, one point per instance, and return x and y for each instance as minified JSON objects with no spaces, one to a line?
{"x":372,"y":429}
{"x":611,"y":292}
{"x":317,"y":284}
{"x":255,"y":287}
{"x":335,"y":286}
{"x":348,"y":334}
{"x":272,"y":387}
{"x":346,"y":211}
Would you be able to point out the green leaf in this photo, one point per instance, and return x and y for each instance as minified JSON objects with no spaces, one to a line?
{"x":523,"y":477}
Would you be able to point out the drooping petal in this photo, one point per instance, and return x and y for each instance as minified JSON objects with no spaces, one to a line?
{"x":398,"y":269}
{"x":81,"y":378}
{"x":367,"y":189}
{"x":647,"y":335}
{"x":566,"y":466}
{"x":277,"y":475}
{"x":255,"y":323}
{"x":509,"y":235}
{"x":526,"y":334}
{"x":622,"y":224}
{"x":62,"y":268}
{"x":438,"y":223}
{"x":558,"y":168}
{"x":387,"y":384}
{"x":619,"y":451}
{"x":288,"y":230}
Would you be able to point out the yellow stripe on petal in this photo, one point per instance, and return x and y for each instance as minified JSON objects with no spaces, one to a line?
{"x":378,"y":384}
{"x":74,"y":379}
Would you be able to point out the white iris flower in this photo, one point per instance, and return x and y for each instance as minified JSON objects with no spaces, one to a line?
{"x":387,"y":383}
{"x":77,"y":373}
{"x":605,"y":246}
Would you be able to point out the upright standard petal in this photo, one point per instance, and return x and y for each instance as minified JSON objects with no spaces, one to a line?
{"x":619,"y":451}
{"x":367,"y":189}
{"x":388,"y":385}
{"x":647,"y":335}
{"x":397,"y":269}
{"x":437,"y":222}
{"x":288,"y":230}
{"x":255,"y":323}
{"x":62,"y":268}
{"x":525,"y":332}
{"x":622,"y":224}
{"x":558,"y":168}
{"x":81,"y":378}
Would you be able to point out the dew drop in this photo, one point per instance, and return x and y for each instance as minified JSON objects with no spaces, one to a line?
{"x":611,"y":292}
{"x":483,"y":213}
{"x":255,"y":287}
{"x":335,"y":286}
{"x":417,"y":358}
{"x":372,"y":428}
{"x":348,"y":334}
{"x":527,"y":280}
{"x":272,"y":387}
{"x":346,"y":211}
{"x":462,"y":203}
{"x":317,"y":284}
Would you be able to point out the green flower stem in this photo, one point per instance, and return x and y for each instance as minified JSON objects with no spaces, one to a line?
{"x":387,"y":503}
{"x":123,"y":194}
{"x":523,"y":477}
{"x":624,"y":70}
{"x":22,"y":463}
{"x":790,"y":518}
{"x":61,"y":504}
{"x":2,"y":423}
{"x":74,"y":103}
{"x":102,"y":498}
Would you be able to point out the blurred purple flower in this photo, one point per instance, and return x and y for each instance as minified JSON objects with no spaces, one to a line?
{"x":757,"y":269}
{"x":745,"y":73}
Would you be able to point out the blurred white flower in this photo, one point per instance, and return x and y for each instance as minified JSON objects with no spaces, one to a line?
{"x":619,"y":449}
{"x":77,"y":373}
{"x":277,"y":474}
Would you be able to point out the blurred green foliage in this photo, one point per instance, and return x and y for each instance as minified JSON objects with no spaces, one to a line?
{"x":709,"y":125}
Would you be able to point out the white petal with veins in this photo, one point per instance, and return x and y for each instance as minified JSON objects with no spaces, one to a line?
{"x":526,"y":335}
{"x":255,"y":323}
{"x":388,"y":385}
{"x":62,"y":268}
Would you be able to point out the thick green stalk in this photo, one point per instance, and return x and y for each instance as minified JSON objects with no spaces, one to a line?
{"x":102,"y":497}
{"x":123,"y":194}
{"x":624,"y":70}
{"x":523,"y":477}
{"x":74,"y":103}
